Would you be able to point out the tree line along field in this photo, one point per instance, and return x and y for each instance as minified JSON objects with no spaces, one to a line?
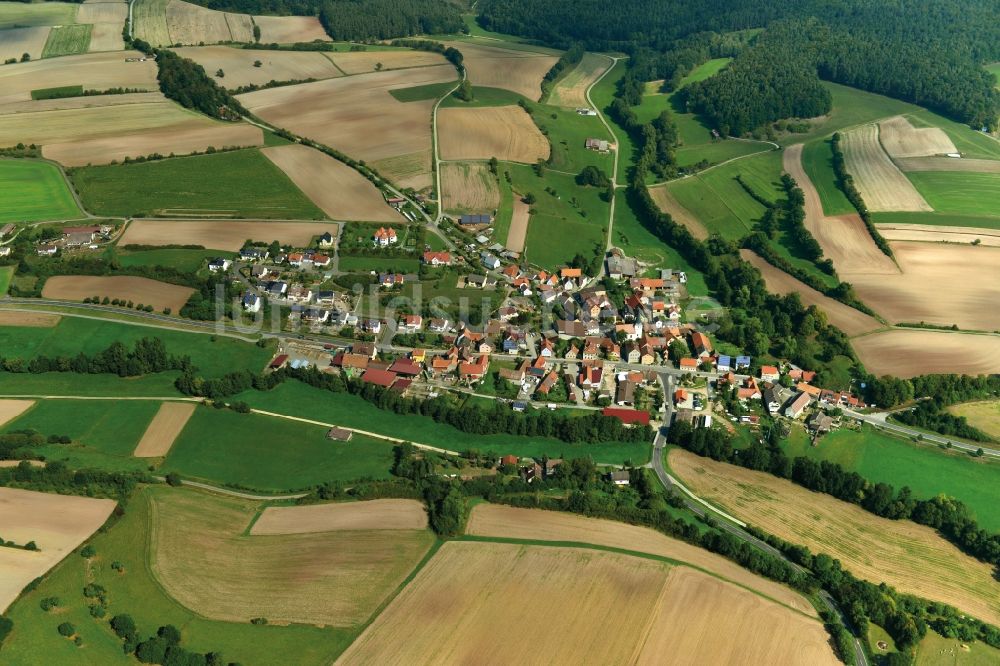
{"x":240,"y":183}
{"x":34,"y":191}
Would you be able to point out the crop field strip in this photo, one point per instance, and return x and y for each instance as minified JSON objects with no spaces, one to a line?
{"x":380,"y":514}
{"x":880,"y":182}
{"x":900,"y":139}
{"x":910,"y":557}
{"x":668,"y":203}
{"x":962,"y":193}
{"x":929,"y":233}
{"x":497,"y":67}
{"x":240,"y":70}
{"x":571,"y":90}
{"x":67,"y":40}
{"x":222,"y":234}
{"x":163,"y":429}
{"x":168,"y":22}
{"x":469,"y":187}
{"x":34,"y":191}
{"x":93,"y":71}
{"x":135,"y":289}
{"x":910,"y":352}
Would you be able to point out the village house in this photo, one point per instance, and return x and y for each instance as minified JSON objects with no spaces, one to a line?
{"x":251,"y":302}
{"x":769,"y":373}
{"x":410,"y":323}
{"x":438,"y":325}
{"x":7,"y":229}
{"x":326,"y":240}
{"x":321,"y":260}
{"x":625,"y":394}
{"x":260,"y":272}
{"x":371,"y":326}
{"x":385,"y":237}
{"x":437,"y":258}
{"x":299,"y":294}
{"x":391,"y":280}
{"x":277,"y":289}
{"x":474,"y":371}
{"x":253,"y":254}
{"x":701,"y":344}
{"x":600,"y":145}
{"x":489,"y":261}
{"x":219,"y":265}
{"x":795,"y":408}
{"x":619,"y":477}
{"x":723,"y":363}
{"x":383,"y":378}
{"x":689,"y":364}
{"x":325,"y":297}
{"x":620,"y":266}
{"x":315,"y":316}
{"x":548,"y":383}
{"x":46,"y":250}
{"x":749,"y":391}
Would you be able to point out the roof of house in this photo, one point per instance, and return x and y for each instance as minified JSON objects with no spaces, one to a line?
{"x":571,"y":272}
{"x":627,"y":416}
{"x":768,"y":370}
{"x":279,"y":361}
{"x":404,"y":366}
{"x":379,"y":377}
{"x":689,"y":363}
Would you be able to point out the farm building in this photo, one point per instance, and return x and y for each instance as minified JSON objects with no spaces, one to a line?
{"x":600,"y":145}
{"x":6,"y":229}
{"x":796,"y":406}
{"x":339,"y":434}
{"x":472,"y":220}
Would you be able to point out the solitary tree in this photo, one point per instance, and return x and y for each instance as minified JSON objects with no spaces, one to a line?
{"x":257,"y":63}
{"x":219,"y":73}
{"x":256,"y":37}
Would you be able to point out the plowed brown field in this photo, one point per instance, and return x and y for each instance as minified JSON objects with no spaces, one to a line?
{"x":222,"y":234}
{"x":170,"y":419}
{"x":469,"y":188}
{"x":908,"y":353}
{"x":360,"y":62}
{"x":11,"y":409}
{"x":136,"y":289}
{"x":238,"y":64}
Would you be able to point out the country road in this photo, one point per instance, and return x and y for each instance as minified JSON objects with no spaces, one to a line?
{"x":233,"y":493}
{"x":614,"y":170}
{"x":879,"y":421}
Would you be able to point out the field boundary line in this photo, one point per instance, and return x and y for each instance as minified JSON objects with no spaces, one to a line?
{"x":428,"y":556}
{"x":220,"y":490}
{"x":675,"y":481}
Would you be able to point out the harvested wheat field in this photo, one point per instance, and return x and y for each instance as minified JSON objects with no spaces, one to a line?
{"x":149,"y":21}
{"x":11,"y":409}
{"x":93,"y":71}
{"x":56,"y":523}
{"x":908,"y":353}
{"x":16,"y":463}
{"x":201,"y":557}
{"x":469,"y":188}
{"x":901,"y":139}
{"x":844,"y":239}
{"x":668,"y":203}
{"x":940,"y":283}
{"x":535,"y":524}
{"x":88,"y":102}
{"x":504,"y":132}
{"x":238,"y":64}
{"x":852,"y":322}
{"x":381,"y":514}
{"x":136,"y":289}
{"x":228,"y":235}
{"x":357,"y":115}
{"x":571,"y":91}
{"x":108,"y":19}
{"x":697,"y":609}
{"x":359,"y":62}
{"x":289,"y":29}
{"x":170,"y":419}
{"x":518,"y":232}
{"x":518,"y":71}
{"x":910,"y":557}
{"x":190,"y":24}
{"x":30,"y":319}
{"x":18,"y":41}
{"x":106,"y":37}
{"x":933,"y":233}
{"x":882,"y":185}
{"x":340,"y":191}
{"x":947,"y":164}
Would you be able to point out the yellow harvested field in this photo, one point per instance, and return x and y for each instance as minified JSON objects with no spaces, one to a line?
{"x":356,"y":114}
{"x":203,"y":560}
{"x":469,"y":188}
{"x":56,"y":523}
{"x":940,"y":283}
{"x":15,"y":463}
{"x":238,"y":64}
{"x":63,"y":125}
{"x":947,"y":164}
{"x":14,"y":42}
{"x":290,"y":29}
{"x":518,"y":232}
{"x":226,"y":235}
{"x":901,"y":139}
{"x":381,"y":514}
{"x":910,"y":557}
{"x":669,"y":204}
{"x":908,"y":353}
{"x":538,"y":525}
{"x":410,"y":170}
{"x":359,"y":62}
{"x":882,"y":185}
{"x":517,"y":71}
{"x":33,"y":319}
{"x":340,"y":191}
{"x":697,"y":609}
{"x":933,"y":233}
{"x":191,"y":24}
{"x":106,"y":37}
{"x":170,"y":419}
{"x":844,"y":239}
{"x":149,"y":18}
{"x":11,"y":409}
{"x":88,"y":102}
{"x":852,"y":322}
{"x":103,"y":12}
{"x":93,"y":71}
{"x":984,"y":415}
{"x":503,"y":132}
{"x":571,"y":91}
{"x":136,"y":289}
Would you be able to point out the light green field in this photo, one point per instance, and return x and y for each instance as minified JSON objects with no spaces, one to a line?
{"x":71,"y":383}
{"x":984,"y":415}
{"x":271,"y":454}
{"x":484,"y":96}
{"x":67,"y":40}
{"x":31,"y":14}
{"x":591,"y":65}
{"x":422,"y":93}
{"x":568,"y":132}
{"x":188,"y":261}
{"x":603,"y":94}
{"x":136,"y":592}
{"x":365,"y":264}
{"x":964,"y":193}
{"x":944,"y":219}
{"x":994,"y":69}
{"x":935,"y":650}
{"x":33,"y":191}
{"x":817,"y":160}
{"x":6,"y":273}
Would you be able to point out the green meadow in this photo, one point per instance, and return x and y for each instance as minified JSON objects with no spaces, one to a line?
{"x":67,"y":40}
{"x":943,"y":219}
{"x":31,"y":14}
{"x":962,"y":193}
{"x":33,"y":191}
{"x":817,"y":160}
{"x":188,"y":261}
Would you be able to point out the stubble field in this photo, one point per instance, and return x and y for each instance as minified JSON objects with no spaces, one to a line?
{"x":136,"y":289}
{"x":901,"y":139}
{"x":28,"y":319}
{"x":469,"y":188}
{"x":882,"y":185}
{"x":93,"y":71}
{"x":222,"y":234}
{"x":908,"y":353}
{"x":11,"y":409}
{"x":932,"y":233}
{"x":571,"y":91}
{"x":495,"y":67}
{"x":984,"y":415}
{"x":505,"y":132}
{"x":238,"y":64}
{"x":361,"y":62}
{"x":518,"y":232}
{"x":381,"y":514}
{"x":290,"y":29}
{"x":18,"y":41}
{"x":163,"y":429}
{"x":947,"y":164}
{"x":191,"y":24}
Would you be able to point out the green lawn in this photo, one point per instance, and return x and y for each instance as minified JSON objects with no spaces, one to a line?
{"x":568,"y":132}
{"x":35,"y":640}
{"x":188,"y":261}
{"x":271,"y":454}
{"x":73,"y":335}
{"x":944,"y":219}
{"x":936,"y":650}
{"x":240,"y":183}
{"x":33,"y":191}
{"x":70,"y":383}
{"x":30,"y":14}
{"x":67,"y":40}
{"x":926,"y":469}
{"x":298,"y":399}
{"x":6,"y":273}
{"x":365,"y":264}
{"x":817,"y":160}
{"x":964,"y":193}
{"x":422,"y":93}
{"x":603,"y":94}
{"x":994,"y":69}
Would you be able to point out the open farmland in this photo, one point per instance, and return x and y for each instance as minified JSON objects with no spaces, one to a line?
{"x":947,"y":164}
{"x":11,"y":409}
{"x":505,"y":132}
{"x":517,"y":235}
{"x":106,"y":37}
{"x":149,"y":21}
{"x":108,"y":19}
{"x":984,"y":415}
{"x":28,"y":318}
{"x":495,"y":67}
{"x":899,"y":138}
{"x":494,"y":520}
{"x":571,"y":91}
{"x":340,"y":191}
{"x":136,"y":289}
{"x":238,"y":64}
{"x":32,"y":191}
{"x":910,"y":557}
{"x":880,"y":182}
{"x":596,"y":607}
{"x":469,"y":188}
{"x":290,"y":29}
{"x":17,"y":41}
{"x":221,"y":234}
{"x":56,"y":523}
{"x":66,"y":40}
{"x":668,"y":203}
{"x":202,"y":558}
{"x":357,"y":116}
{"x":963,"y":193}
{"x":908,"y":353}
{"x":30,"y":14}
{"x":240,"y":183}
{"x":930,"y":233}
{"x":380,"y":514}
{"x":188,"y":23}
{"x":93,"y":71}
{"x":163,"y":429}
{"x":360,"y":62}
{"x":83,"y":102}
{"x":847,"y":319}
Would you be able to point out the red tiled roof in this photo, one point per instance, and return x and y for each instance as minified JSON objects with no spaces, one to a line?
{"x":405,"y":366}
{"x":379,"y":377}
{"x":279,"y":361}
{"x":627,"y":416}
